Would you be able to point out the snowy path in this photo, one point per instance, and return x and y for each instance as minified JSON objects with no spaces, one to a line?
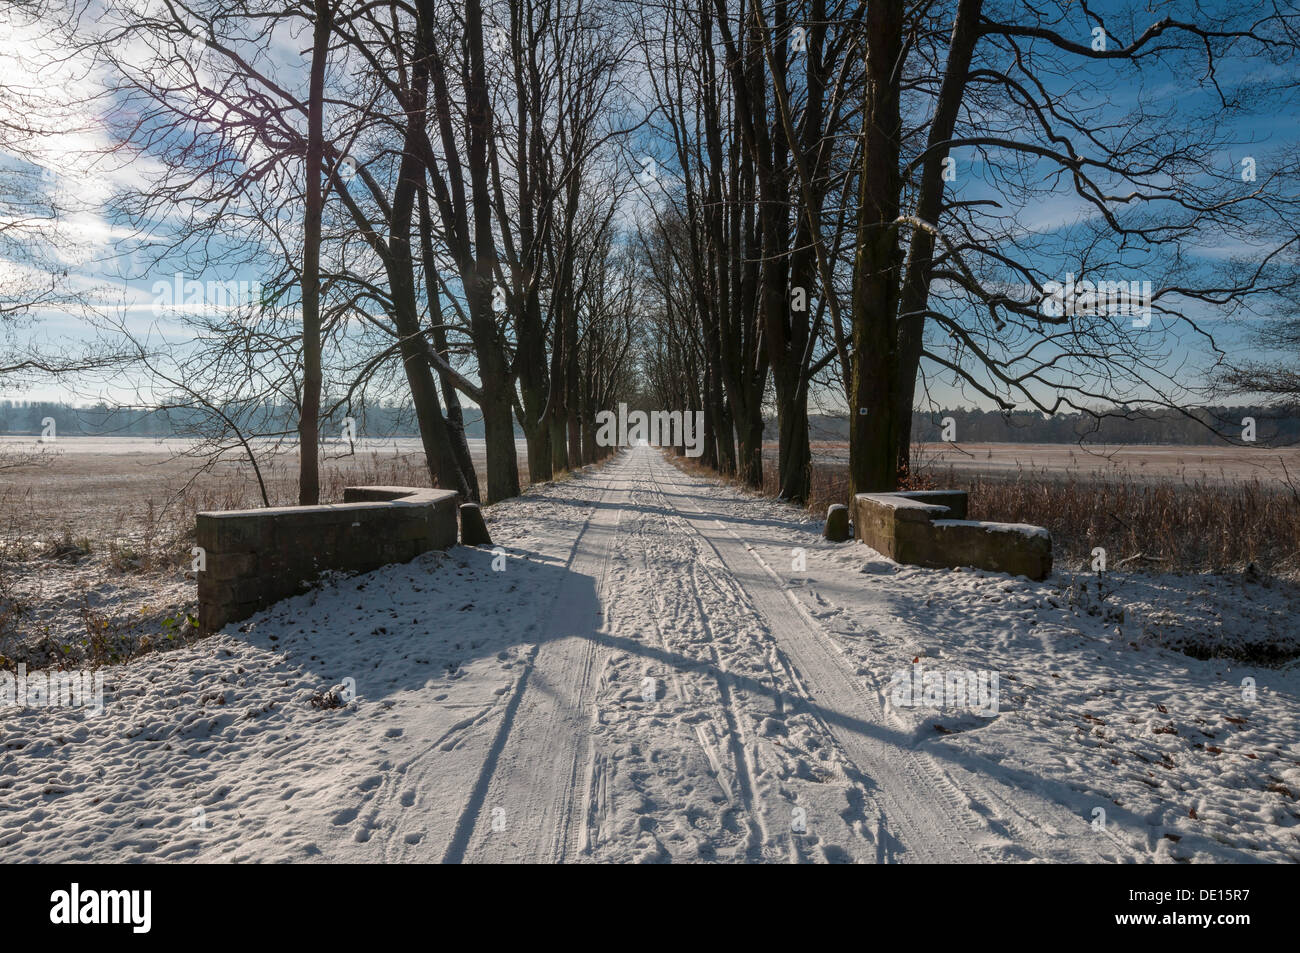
{"x":935,"y":818}
{"x":534,"y":772}
{"x":650,"y":674}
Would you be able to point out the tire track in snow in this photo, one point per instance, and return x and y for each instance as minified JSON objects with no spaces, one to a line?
{"x":740,"y":743}
{"x":726,"y":780}
{"x":714,"y":620}
{"x":934,"y":829}
{"x":1023,"y":818}
{"x":662,"y":595}
{"x":523,"y":806}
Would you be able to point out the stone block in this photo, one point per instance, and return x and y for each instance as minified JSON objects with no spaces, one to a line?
{"x":473,"y":528}
{"x":837,"y":523}
{"x":243,"y":531}
{"x":257,"y":557}
{"x":929,"y":529}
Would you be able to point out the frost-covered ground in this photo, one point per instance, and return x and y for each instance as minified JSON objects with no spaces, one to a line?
{"x":78,"y":608}
{"x":650,"y":673}
{"x":1096,"y":708}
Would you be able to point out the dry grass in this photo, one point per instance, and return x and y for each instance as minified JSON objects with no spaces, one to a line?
{"x":1165,"y":526}
{"x":141,"y":514}
{"x":95,"y":548}
{"x":12,"y":606}
{"x":1162,"y":526}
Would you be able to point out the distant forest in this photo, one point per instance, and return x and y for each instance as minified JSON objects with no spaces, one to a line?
{"x":24,"y":417}
{"x":1274,"y":425}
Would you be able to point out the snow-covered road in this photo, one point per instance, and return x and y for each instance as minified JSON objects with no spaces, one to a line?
{"x":657,"y":667}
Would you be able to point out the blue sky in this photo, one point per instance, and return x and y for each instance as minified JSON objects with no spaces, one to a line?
{"x":99,"y":249}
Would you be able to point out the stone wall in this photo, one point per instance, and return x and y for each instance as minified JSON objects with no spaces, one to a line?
{"x":929,"y":528}
{"x":254,"y":558}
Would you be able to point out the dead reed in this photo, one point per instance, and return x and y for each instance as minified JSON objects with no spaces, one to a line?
{"x":1160,"y":525}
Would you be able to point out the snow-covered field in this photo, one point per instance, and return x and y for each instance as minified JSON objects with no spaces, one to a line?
{"x":661,"y":668}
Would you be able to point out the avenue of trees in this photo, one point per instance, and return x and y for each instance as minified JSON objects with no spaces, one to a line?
{"x":428,"y":195}
{"x":528,"y":211}
{"x":872,"y":194}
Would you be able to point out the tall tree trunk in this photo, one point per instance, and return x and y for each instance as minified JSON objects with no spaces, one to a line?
{"x":571,"y":387}
{"x":535,"y":387}
{"x":751,"y":370}
{"x":749,"y":433}
{"x":795,"y":453}
{"x":531,"y":166}
{"x":717,"y":264}
{"x":494,"y":371}
{"x":309,"y":418}
{"x":455,"y":414}
{"x":444,"y":470}
{"x":920,"y":261}
{"x":498,"y":414}
{"x":537,"y":434}
{"x":587,"y":411}
{"x":724,"y":435}
{"x":557,"y":417}
{"x":557,"y":433}
{"x":873,"y":441}
{"x":786,"y":329}
{"x":709,"y":447}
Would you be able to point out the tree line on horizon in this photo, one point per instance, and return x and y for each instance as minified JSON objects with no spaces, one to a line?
{"x":1274,"y":425}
